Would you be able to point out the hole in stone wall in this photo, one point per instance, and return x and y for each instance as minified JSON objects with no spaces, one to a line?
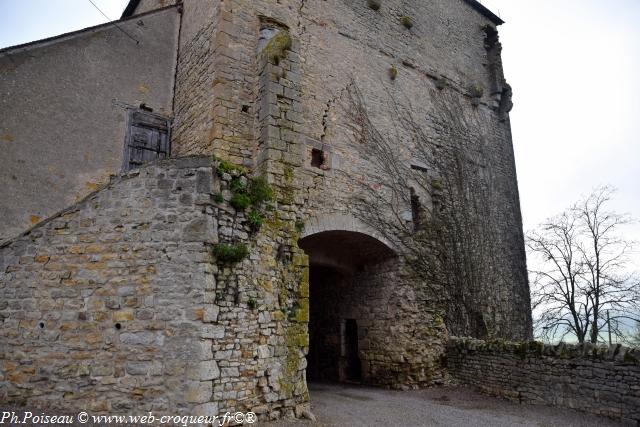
{"x":41,"y":325}
{"x":118,"y":326}
{"x":338,"y":328}
{"x":317,"y":158}
{"x":269,"y":27}
{"x":245,"y":108}
{"x":491,"y":40}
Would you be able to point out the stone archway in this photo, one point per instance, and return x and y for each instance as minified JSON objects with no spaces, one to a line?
{"x":337,"y":222}
{"x":352,"y":275}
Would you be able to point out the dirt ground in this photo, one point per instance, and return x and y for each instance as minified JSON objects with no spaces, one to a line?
{"x":353,"y":406}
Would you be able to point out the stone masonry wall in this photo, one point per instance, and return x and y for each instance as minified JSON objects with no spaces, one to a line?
{"x":272,"y":116}
{"x":598,"y":380}
{"x":118,"y":303}
{"x":399,"y":339}
{"x":101,"y":305}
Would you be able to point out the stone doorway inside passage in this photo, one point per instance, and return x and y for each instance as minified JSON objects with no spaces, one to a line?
{"x":347,"y":286}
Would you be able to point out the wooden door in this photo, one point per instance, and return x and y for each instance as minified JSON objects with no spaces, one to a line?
{"x":147,"y":139}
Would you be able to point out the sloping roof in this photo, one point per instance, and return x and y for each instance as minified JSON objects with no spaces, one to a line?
{"x":131,"y":7}
{"x":82,"y":31}
{"x":483,"y":10}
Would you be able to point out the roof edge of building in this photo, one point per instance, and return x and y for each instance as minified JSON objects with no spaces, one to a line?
{"x":480,"y":8}
{"x":79,"y":32}
{"x":130,"y":8}
{"x":475,"y":4}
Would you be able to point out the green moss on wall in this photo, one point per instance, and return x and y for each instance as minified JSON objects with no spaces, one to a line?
{"x":476,"y":90}
{"x":277,"y":47}
{"x":223,"y":166}
{"x":393,"y":72}
{"x":407,"y":22}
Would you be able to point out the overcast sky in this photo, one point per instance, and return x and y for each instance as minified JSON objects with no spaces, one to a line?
{"x":575,"y":70}
{"x":574,"y":66}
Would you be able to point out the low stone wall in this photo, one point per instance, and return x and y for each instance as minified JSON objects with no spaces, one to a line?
{"x":598,"y":380}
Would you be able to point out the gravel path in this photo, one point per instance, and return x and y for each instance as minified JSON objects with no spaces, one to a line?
{"x":354,"y":406}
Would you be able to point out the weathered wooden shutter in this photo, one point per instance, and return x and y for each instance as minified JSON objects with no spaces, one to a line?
{"x":147,"y":139}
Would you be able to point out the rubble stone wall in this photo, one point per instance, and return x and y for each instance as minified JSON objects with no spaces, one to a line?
{"x":232,"y":103}
{"x":400,"y":339}
{"x":118,"y":303}
{"x":599,"y":380}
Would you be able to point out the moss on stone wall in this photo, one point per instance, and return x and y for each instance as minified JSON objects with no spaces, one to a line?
{"x":277,"y":47}
{"x":407,"y":22}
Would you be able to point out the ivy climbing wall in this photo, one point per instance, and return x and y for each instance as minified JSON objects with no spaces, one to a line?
{"x":285,"y":111}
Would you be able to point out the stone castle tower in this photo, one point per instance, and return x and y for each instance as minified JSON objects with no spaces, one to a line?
{"x":178,"y":200}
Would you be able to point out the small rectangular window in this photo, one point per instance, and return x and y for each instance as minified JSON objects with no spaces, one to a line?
{"x":317,"y":158}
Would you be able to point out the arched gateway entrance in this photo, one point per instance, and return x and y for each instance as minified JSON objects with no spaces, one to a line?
{"x":351,"y":279}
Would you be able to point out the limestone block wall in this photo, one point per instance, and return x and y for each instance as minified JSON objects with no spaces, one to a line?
{"x":101,"y":305}
{"x":216,"y":81}
{"x":598,"y":380}
{"x":231,"y":103}
{"x":118,"y":303}
{"x":399,"y":337}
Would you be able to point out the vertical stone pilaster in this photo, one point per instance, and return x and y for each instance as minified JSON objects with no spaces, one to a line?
{"x":232,"y":114}
{"x":280,"y":114}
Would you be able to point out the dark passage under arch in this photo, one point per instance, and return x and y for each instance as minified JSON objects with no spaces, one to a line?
{"x":345,"y":288}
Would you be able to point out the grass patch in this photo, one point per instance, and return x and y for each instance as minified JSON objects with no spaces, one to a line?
{"x":238,"y":185}
{"x":229,"y":253}
{"x":228,"y":167}
{"x":255,"y":220}
{"x":240,"y":201}
{"x":260,"y":191}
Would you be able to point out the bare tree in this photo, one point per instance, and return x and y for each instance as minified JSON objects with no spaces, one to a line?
{"x":435,"y":204}
{"x":635,"y":339}
{"x":583,"y":285}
